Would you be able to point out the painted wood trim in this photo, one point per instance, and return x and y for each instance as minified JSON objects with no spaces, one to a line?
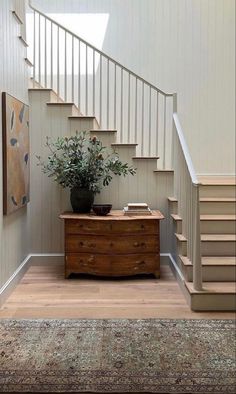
{"x":9,"y":286}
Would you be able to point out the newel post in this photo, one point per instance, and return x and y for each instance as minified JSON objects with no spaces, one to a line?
{"x":173,"y":128}
{"x":197,"y":257}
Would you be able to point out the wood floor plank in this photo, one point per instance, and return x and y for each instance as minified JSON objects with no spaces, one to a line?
{"x":44,"y":293}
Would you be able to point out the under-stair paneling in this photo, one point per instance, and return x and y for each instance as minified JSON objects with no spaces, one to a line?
{"x":183,"y":46}
{"x":13,"y":80}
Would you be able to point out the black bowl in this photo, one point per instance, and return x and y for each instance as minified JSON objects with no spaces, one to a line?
{"x":101,"y":209}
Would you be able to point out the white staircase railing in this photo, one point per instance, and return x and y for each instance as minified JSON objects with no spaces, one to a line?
{"x":100,"y":86}
{"x":186,"y":190}
{"x":119,"y":99}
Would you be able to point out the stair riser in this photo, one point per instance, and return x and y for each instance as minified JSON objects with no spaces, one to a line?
{"x":177,"y":226}
{"x":173,"y":207}
{"x":211,"y":273}
{"x":107,"y":138}
{"x":125,"y":153}
{"x":214,"y":248}
{"x":210,"y":248}
{"x":217,"y":208}
{"x":217,"y":191}
{"x":82,"y":125}
{"x":211,"y":226}
{"x":182,"y":248}
{"x":217,"y":227}
{"x":42,"y":97}
{"x":213,"y":302}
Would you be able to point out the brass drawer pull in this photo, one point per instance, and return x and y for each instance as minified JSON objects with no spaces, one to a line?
{"x":136,"y":244}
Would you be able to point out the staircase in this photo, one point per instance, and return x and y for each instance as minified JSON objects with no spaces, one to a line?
{"x":133,"y":117}
{"x":217,"y":225}
{"x":54,"y":118}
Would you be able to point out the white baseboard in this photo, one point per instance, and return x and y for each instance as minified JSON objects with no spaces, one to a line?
{"x":8,"y":287}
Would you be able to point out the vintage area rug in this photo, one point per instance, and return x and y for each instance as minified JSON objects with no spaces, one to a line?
{"x":117,"y":356}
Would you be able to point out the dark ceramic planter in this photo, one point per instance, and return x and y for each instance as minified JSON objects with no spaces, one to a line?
{"x":81,"y":200}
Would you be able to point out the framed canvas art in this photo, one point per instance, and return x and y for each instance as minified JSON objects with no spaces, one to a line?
{"x":15,"y":122}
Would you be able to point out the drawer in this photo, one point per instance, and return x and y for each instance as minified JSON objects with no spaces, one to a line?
{"x":87,"y":227}
{"x":125,"y":226}
{"x":111,"y":244}
{"x":116,"y":265}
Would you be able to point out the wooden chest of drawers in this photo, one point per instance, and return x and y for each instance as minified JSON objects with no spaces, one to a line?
{"x":112,"y":245}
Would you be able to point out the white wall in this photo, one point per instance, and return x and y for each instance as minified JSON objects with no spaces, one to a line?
{"x":186,"y":46}
{"x":13,"y":80}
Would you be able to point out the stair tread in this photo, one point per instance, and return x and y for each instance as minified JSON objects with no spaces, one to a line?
{"x":212,"y":260}
{"x":172,"y":199}
{"x":176,"y":217}
{"x":213,"y":288}
{"x":40,"y":89}
{"x":210,"y":237}
{"x":217,"y":180}
{"x":208,"y":217}
{"x":146,"y":157}
{"x":164,"y":172}
{"x":180,"y":237}
{"x":218,"y":217}
{"x":102,"y":130}
{"x":117,"y":144}
{"x":217,"y":199}
{"x":218,"y":237}
{"x":81,"y":117}
{"x":59,"y":103}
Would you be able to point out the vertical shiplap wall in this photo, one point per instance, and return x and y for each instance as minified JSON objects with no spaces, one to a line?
{"x":187,"y":46}
{"x":14,"y":80}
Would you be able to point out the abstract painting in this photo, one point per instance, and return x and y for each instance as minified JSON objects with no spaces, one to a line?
{"x":15,"y":122}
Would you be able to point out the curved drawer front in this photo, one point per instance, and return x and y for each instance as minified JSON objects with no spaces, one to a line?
{"x":115,"y":226}
{"x":112,"y":265}
{"x":87,"y":227}
{"x":111,"y":244}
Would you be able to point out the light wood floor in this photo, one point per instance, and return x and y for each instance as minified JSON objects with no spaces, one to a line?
{"x":44,"y":293}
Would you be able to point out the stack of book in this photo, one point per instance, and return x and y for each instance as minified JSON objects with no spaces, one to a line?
{"x":139,"y":208}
